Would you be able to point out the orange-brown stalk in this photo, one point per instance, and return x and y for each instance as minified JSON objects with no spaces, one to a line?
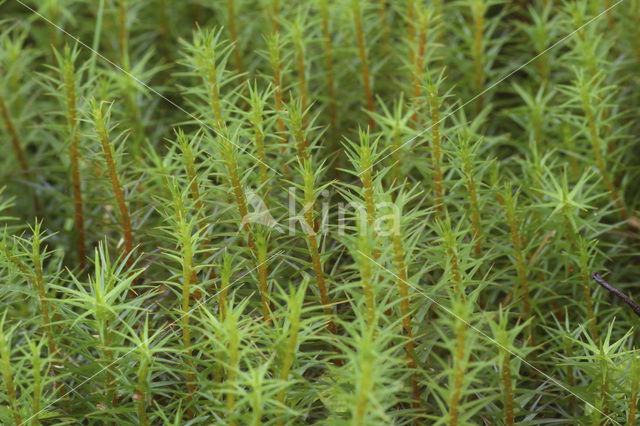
{"x":13,"y":135}
{"x":401,"y":282}
{"x":258,"y":250}
{"x":297,"y":128}
{"x":411,"y":29}
{"x":419,"y":64}
{"x":366,"y":154}
{"x":516,"y":238}
{"x":318,"y":271}
{"x":437,"y":19}
{"x":436,"y":153}
{"x":15,"y":142}
{"x":231,"y":162}
{"x":233,"y":32}
{"x":273,"y":13}
{"x":123,"y":34}
{"x":458,"y":374}
{"x":72,"y":122}
{"x":366,"y":178}
{"x":331,"y":91}
{"x":479,"y":10}
{"x":302,"y":69}
{"x":328,"y":52}
{"x":314,"y":250}
{"x":362,"y":51}
{"x":473,"y":203}
{"x":107,"y":148}
{"x":38,"y":280}
{"x":194,"y":188}
{"x":263,"y":271}
{"x":276,"y":64}
{"x":258,"y":136}
{"x":366,"y":277}
{"x":508,"y":390}
{"x":188,"y":279}
{"x":214,"y":98}
{"x":369,"y":202}
{"x":453,"y":264}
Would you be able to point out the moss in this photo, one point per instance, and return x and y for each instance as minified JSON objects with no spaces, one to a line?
{"x":360,"y":212}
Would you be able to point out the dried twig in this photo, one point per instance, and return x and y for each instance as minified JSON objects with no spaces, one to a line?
{"x":617,"y":292}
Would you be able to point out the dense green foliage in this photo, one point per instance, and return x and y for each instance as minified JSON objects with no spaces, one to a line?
{"x":282,"y":212}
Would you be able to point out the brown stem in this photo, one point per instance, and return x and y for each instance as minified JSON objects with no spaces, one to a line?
{"x":362,"y":51}
{"x":314,"y":252}
{"x":328,"y":50}
{"x":233,"y":31}
{"x":475,"y":210}
{"x":44,"y":305}
{"x":123,"y":34}
{"x":367,"y":185}
{"x":297,"y":124}
{"x":478,"y":53}
{"x":276,"y":64}
{"x":506,"y":384}
{"x":436,"y":152}
{"x":15,"y":142}
{"x":188,"y":280}
{"x":521,"y":266}
{"x":36,"y":280}
{"x":419,"y":64}
{"x":411,"y":30}
{"x":264,"y":290}
{"x":194,"y":188}
{"x":626,"y":299}
{"x":458,"y":374}
{"x":241,"y":202}
{"x":72,"y":120}
{"x":115,"y":183}
{"x":77,"y":200}
{"x":272,"y":13}
{"x":263,"y":272}
{"x":302,"y":79}
{"x":368,"y":290}
{"x":401,"y":282}
{"x":13,"y":135}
